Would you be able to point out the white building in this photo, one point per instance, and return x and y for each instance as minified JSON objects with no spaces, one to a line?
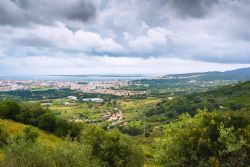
{"x":72,"y":97}
{"x":96,"y":100}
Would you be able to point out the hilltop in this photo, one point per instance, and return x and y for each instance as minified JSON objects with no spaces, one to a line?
{"x":241,"y":74}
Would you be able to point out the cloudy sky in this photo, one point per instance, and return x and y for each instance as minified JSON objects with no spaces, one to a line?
{"x":117,"y":36}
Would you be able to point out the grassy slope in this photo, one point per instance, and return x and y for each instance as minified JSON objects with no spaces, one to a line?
{"x":15,"y":128}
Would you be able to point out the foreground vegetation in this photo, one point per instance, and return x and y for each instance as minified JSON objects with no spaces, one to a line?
{"x":92,"y":143}
{"x":91,"y":150}
{"x":207,"y":139}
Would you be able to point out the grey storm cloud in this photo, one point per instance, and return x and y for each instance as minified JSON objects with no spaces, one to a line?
{"x":202,"y":30}
{"x":25,"y":12}
{"x":182,"y":8}
{"x":193,"y":8}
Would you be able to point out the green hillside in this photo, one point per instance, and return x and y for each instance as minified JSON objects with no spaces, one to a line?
{"x":231,"y":97}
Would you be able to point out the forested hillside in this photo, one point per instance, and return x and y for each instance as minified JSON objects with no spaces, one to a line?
{"x":231,"y":97}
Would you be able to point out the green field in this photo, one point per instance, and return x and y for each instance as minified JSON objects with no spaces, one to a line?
{"x":69,"y":109}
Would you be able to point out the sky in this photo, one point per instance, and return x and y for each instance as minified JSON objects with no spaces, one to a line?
{"x":123,"y":37}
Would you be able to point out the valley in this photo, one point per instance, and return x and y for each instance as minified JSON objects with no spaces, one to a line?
{"x":145,"y":119}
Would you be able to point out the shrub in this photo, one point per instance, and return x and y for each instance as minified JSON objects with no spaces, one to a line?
{"x":20,"y":153}
{"x":73,"y":154}
{"x":112,"y":148}
{"x":30,"y":134}
{"x":9,"y":109}
{"x":3,"y":136}
{"x":206,"y":139}
{"x":47,"y":122}
{"x":23,"y":153}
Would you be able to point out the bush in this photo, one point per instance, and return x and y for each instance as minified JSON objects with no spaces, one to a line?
{"x":132,"y":130}
{"x":9,"y":109}
{"x":206,"y":140}
{"x":47,"y":122}
{"x":23,"y":153}
{"x":3,"y":136}
{"x":30,"y":112}
{"x":73,"y":154}
{"x":30,"y":134}
{"x":112,"y":148}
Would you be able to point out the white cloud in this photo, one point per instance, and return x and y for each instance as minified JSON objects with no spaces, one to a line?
{"x":154,"y":37}
{"x":60,"y":37}
{"x":83,"y":39}
{"x":126,"y":35}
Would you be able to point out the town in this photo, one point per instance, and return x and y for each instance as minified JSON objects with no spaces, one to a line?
{"x":101,"y":87}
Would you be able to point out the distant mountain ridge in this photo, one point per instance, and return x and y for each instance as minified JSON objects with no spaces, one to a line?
{"x":244,"y":71}
{"x":242,"y":74}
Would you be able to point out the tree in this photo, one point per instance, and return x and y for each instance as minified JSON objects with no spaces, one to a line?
{"x":47,"y":122}
{"x":30,"y":113}
{"x":9,"y":109}
{"x":207,"y":139}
